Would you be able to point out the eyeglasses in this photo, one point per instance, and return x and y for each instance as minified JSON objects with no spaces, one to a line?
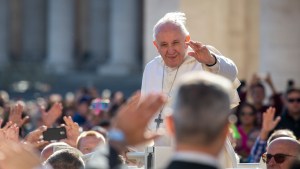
{"x":279,"y":158}
{"x":292,"y":100}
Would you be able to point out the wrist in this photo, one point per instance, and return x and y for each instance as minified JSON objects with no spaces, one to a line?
{"x":116,"y":140}
{"x":264,"y":135}
{"x":215,"y":61}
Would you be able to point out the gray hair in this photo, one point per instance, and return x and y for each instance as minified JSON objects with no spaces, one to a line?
{"x":201,"y":107}
{"x":176,"y":18}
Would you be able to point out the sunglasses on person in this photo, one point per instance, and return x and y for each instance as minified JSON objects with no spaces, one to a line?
{"x":292,"y":100}
{"x":279,"y":158}
{"x":247,"y":113}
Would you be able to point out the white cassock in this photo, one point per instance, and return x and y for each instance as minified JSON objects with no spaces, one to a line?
{"x":159,"y":78}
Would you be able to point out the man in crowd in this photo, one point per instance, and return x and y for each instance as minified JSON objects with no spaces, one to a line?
{"x":200,"y":120}
{"x":290,"y":119}
{"x":281,"y":153}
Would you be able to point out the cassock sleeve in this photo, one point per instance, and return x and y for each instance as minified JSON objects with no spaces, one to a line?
{"x":227,"y":68}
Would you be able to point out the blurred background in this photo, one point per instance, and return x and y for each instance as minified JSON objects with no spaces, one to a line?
{"x":57,"y":46}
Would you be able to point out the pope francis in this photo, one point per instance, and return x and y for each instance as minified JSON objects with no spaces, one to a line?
{"x":180,"y":54}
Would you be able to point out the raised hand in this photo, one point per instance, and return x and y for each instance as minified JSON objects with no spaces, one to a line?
{"x":15,"y":155}
{"x":15,"y":115}
{"x":2,"y":130}
{"x":34,"y":137}
{"x":255,"y":79}
{"x":52,"y":115}
{"x":72,"y":129}
{"x":268,"y":123}
{"x":270,"y":83}
{"x":201,"y":53}
{"x":132,"y":118}
{"x":10,"y":132}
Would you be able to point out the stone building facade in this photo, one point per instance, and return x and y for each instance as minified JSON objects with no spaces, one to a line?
{"x":114,"y":37}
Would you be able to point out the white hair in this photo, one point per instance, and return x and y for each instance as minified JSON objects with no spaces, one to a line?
{"x":176,"y":18}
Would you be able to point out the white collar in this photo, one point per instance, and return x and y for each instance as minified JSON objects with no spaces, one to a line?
{"x":196,"y":157}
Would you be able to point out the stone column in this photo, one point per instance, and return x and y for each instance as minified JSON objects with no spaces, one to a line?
{"x":34,"y":30}
{"x":98,"y":34}
{"x":3,"y":33}
{"x":280,"y":39}
{"x":123,"y":43}
{"x":60,"y":35}
{"x":15,"y":29}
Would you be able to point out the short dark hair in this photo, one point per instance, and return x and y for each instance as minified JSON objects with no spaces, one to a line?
{"x":291,"y":90}
{"x":65,"y":159}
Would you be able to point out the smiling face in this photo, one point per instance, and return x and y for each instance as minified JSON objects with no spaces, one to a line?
{"x":170,"y":43}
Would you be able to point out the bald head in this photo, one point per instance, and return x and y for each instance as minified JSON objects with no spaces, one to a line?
{"x":287,"y":146}
{"x":290,"y":143}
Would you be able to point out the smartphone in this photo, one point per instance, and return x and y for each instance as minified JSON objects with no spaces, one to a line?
{"x":100,"y":105}
{"x":53,"y":134}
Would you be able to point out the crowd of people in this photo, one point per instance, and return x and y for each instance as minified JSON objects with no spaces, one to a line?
{"x":98,"y":130}
{"x":23,"y":123}
{"x":259,"y":117}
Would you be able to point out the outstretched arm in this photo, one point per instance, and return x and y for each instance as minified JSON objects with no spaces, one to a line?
{"x":212,"y":60}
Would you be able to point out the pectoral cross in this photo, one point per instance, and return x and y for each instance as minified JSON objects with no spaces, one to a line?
{"x":158,"y":121}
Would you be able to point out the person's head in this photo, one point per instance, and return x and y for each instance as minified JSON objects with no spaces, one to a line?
{"x":100,"y":130}
{"x":281,"y":133}
{"x":83,"y":105}
{"x":247,"y":114}
{"x":281,"y":152}
{"x":89,"y":140}
{"x":201,"y":109}
{"x":56,"y":146}
{"x":64,"y":159}
{"x":49,"y":149}
{"x":292,"y":101}
{"x":257,"y":92}
{"x":170,"y":36}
